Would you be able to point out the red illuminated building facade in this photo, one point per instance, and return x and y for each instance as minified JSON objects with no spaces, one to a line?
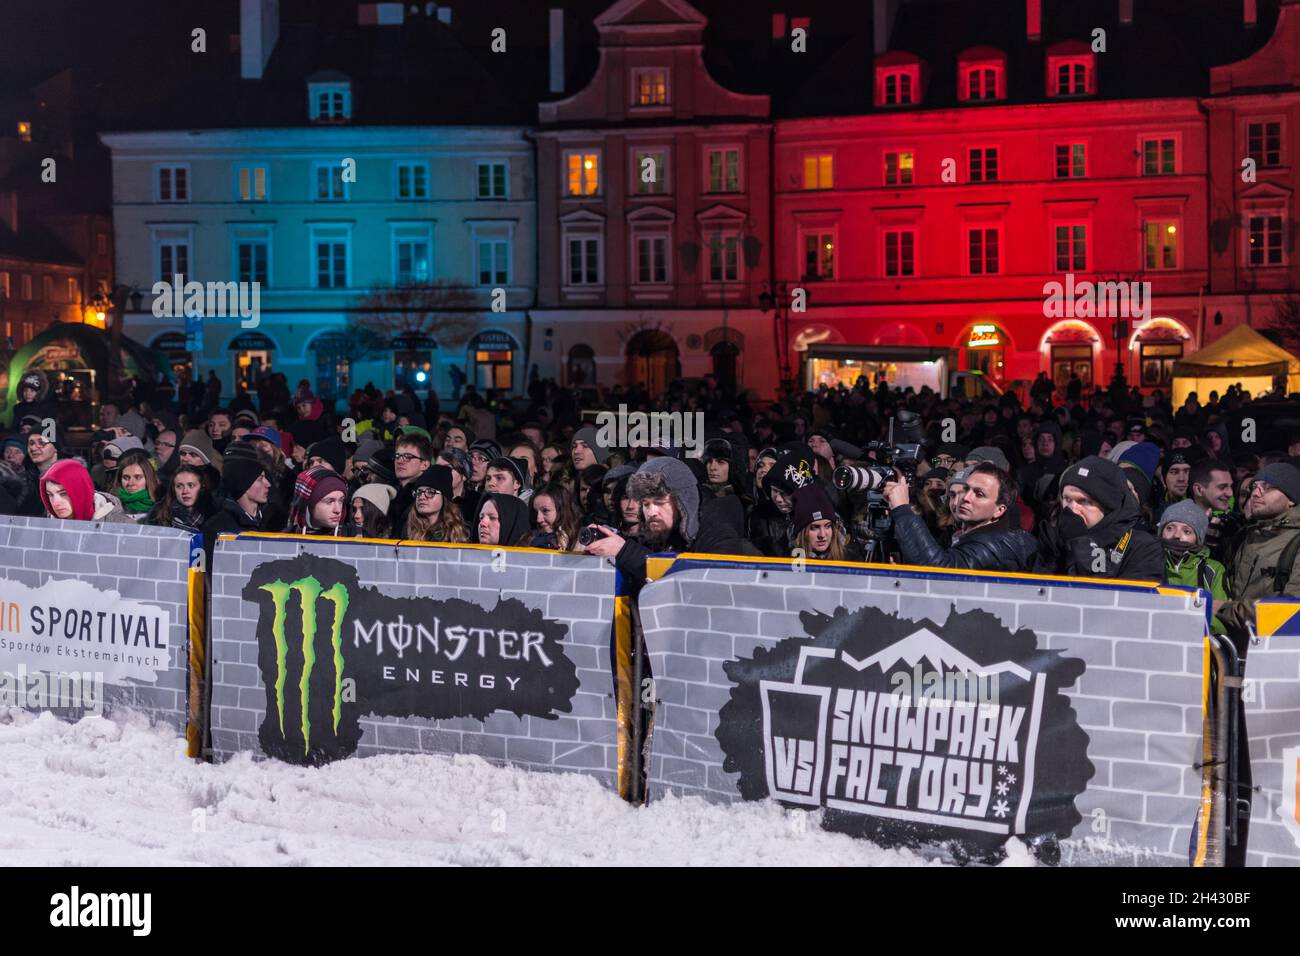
{"x":924,"y":191}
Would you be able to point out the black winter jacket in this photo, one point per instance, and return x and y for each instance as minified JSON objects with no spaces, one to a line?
{"x":721,"y":521}
{"x":1065,"y":548}
{"x":996,"y":547}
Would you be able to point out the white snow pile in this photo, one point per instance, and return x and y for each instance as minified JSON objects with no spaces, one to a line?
{"x":120,"y":792}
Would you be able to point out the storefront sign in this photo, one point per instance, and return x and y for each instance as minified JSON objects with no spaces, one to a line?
{"x":982,"y":336}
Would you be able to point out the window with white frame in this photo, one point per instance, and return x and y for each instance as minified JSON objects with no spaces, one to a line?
{"x":900,"y":252}
{"x":724,"y":256}
{"x":1071,"y":76}
{"x":983,"y":250}
{"x":252,"y":253}
{"x":1159,"y":156}
{"x":650,"y":171}
{"x":581,"y":172}
{"x":1070,"y":247}
{"x":330,"y":186}
{"x":724,"y":170}
{"x":412,"y":255}
{"x":331,"y":251}
{"x":818,"y":248}
{"x":329,"y":102}
{"x":412,"y":180}
{"x":1264,"y":239}
{"x":1071,"y":160}
{"x":651,"y":258}
{"x":897,"y":87}
{"x":650,"y":87}
{"x":819,"y":171}
{"x":250,"y":181}
{"x":1160,"y":244}
{"x":983,"y":164}
{"x":899,"y":167}
{"x":172,"y":247}
{"x":982,"y":82}
{"x":582,"y":257}
{"x":172,"y":183}
{"x":1264,"y":143}
{"x":492,"y":252}
{"x":492,"y":179}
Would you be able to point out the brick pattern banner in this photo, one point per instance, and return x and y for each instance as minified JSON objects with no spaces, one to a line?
{"x":425,"y":631}
{"x":1271,"y":693}
{"x":1118,"y":732}
{"x":126,"y":565}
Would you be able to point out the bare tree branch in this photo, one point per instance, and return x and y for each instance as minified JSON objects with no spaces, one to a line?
{"x":447,"y":312}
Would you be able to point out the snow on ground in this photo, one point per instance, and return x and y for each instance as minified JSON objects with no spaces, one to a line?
{"x":119,"y":792}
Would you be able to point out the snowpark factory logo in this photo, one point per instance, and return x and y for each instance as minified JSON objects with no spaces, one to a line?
{"x":843,"y":727}
{"x":331,"y":651}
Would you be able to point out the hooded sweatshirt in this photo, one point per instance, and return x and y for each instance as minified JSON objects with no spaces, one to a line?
{"x":512,"y":513}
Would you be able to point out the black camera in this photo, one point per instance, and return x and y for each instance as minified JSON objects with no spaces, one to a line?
{"x":589,"y":534}
{"x":873,"y":527}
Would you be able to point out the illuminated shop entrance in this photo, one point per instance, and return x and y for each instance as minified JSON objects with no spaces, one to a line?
{"x":899,"y":366}
{"x":983,"y":349}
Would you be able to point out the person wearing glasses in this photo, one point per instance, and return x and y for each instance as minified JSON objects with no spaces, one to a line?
{"x":1264,"y":563}
{"x":411,"y":459}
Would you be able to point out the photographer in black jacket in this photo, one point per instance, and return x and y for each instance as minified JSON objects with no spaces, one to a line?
{"x":988,"y":536}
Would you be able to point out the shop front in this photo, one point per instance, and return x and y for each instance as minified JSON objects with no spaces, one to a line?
{"x":983,"y":349}
{"x":901,"y":366}
{"x":252,"y":354}
{"x":1156,"y":346}
{"x":492,"y":361}
{"x":413,"y":361}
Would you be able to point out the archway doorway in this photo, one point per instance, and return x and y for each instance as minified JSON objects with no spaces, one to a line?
{"x":582,"y":366}
{"x":652,"y":361}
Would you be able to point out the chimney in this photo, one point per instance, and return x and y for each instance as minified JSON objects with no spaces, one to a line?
{"x":1126,"y":11}
{"x":1249,"y":12}
{"x":259,"y":28}
{"x":1033,"y":20}
{"x":557,"y":50}
{"x":882,"y":22}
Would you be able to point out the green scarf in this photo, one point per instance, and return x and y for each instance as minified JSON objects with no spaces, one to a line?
{"x":135,"y":502}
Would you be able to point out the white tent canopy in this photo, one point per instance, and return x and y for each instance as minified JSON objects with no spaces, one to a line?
{"x":1242,"y":357}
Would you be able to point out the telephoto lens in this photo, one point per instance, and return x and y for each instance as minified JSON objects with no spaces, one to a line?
{"x":587,"y":535}
{"x":861,"y":478}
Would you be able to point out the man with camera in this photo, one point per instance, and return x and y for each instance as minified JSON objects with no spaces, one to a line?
{"x":672,"y":520}
{"x":987,"y":538}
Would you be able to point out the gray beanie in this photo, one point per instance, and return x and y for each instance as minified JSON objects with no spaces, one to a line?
{"x":589,"y":436}
{"x":1284,"y":477}
{"x":1190,"y":514}
{"x":662,"y":476}
{"x":994,"y":456}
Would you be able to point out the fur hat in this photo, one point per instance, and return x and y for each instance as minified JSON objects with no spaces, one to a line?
{"x":672,"y":477}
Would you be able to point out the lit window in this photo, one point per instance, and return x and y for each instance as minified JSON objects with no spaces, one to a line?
{"x":1161,"y":245}
{"x":1159,"y":157}
{"x":724,"y":170}
{"x":819,"y":255}
{"x":984,"y":165}
{"x":900,"y":252}
{"x":650,"y":172}
{"x":1071,"y":247}
{"x":252,"y":183}
{"x":898,"y":168}
{"x":1264,"y":143}
{"x":982,"y":251}
{"x":24,"y":131}
{"x":582,"y":173}
{"x":1071,"y":161}
{"x":1265,"y":238}
{"x":652,"y":88}
{"x":818,"y":171}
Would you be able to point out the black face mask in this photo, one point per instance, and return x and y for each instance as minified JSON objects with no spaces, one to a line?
{"x":1071,"y":525}
{"x":1179,"y":549}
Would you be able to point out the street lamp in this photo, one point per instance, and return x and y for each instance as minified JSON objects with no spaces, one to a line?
{"x":777,"y":298}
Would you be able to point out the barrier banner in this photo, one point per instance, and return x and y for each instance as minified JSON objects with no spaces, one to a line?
{"x":931,"y":709}
{"x":328,"y":648}
{"x":95,"y":617}
{"x":1271,"y":695}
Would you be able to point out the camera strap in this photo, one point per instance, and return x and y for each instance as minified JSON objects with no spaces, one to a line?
{"x":1117,"y":552}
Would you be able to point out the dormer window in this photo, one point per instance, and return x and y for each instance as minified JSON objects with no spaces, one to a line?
{"x":650,"y":87}
{"x":1071,"y":73}
{"x":897,"y":88}
{"x":981,"y":75}
{"x":329,"y":102}
{"x":898,"y":79}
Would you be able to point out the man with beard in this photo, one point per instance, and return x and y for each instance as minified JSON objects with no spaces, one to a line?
{"x":672,"y":520}
{"x":987,"y":536}
{"x":1095,"y":534}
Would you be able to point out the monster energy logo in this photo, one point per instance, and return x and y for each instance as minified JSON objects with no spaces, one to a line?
{"x":309,"y":590}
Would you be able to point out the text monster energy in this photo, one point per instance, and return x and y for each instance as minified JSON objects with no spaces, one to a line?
{"x":309,"y":590}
